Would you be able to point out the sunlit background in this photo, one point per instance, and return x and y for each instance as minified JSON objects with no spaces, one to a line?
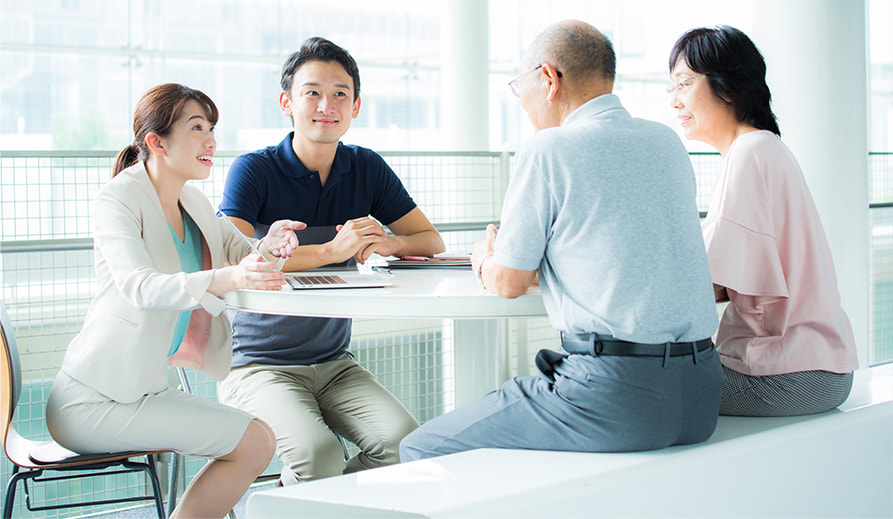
{"x":72,"y":70}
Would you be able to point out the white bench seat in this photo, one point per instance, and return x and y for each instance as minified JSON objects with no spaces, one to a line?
{"x":838,"y":464}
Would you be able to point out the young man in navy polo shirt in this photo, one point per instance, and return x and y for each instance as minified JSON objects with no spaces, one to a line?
{"x":295,"y":373}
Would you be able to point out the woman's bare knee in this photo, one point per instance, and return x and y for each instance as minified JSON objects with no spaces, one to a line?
{"x":267,"y":443}
{"x":257,"y":446}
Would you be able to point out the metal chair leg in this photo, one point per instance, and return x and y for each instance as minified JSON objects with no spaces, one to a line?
{"x":186,"y":387}
{"x":149,"y":469}
{"x":344,"y":447}
{"x":172,"y":488}
{"x":11,"y":492}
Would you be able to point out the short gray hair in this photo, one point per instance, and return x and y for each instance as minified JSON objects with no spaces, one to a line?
{"x":576,"y":49}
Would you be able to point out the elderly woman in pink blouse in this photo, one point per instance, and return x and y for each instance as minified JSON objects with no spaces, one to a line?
{"x":786,"y":344}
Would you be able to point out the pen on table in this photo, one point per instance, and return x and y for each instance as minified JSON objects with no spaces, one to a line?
{"x":279,"y":261}
{"x":415,"y":258}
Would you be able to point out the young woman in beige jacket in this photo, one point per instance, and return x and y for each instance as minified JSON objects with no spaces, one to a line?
{"x":163,"y":264}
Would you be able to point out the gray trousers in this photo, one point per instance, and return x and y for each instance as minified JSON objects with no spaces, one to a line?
{"x":588,"y":404}
{"x":304,"y":405}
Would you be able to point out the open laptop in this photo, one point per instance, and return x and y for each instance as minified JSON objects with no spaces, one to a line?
{"x":333,"y":276}
{"x":335,"y":279}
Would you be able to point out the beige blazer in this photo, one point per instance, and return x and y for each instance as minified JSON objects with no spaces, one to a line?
{"x":121,"y":351}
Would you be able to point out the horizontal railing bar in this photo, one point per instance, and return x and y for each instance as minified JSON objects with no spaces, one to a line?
{"x":73,"y":244}
{"x":112,"y":153}
{"x":463,"y":226}
{"x":410,"y":63}
{"x":56,"y":245}
{"x":107,"y":153}
{"x":57,"y":154}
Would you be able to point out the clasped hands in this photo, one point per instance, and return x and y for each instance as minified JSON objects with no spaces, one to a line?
{"x":360,"y":238}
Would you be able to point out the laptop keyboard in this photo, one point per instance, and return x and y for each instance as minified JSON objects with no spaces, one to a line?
{"x":312,"y":281}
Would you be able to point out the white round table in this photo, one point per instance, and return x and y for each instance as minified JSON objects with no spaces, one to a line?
{"x":417,"y":293}
{"x":481,"y":343}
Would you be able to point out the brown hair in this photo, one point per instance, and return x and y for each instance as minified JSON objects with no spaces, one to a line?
{"x":155,"y":113}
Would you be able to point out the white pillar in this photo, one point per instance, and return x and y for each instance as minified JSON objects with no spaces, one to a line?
{"x":464,"y":75}
{"x":816,"y":52}
{"x":481,"y":358}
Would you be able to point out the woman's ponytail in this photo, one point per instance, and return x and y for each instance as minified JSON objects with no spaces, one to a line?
{"x":126,"y":158}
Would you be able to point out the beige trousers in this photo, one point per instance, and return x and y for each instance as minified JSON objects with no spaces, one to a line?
{"x":305,"y":405}
{"x":85,"y":421}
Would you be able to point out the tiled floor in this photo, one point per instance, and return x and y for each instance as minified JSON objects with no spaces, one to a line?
{"x":148,"y":512}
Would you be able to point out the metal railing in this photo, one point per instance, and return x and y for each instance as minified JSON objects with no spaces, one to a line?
{"x":46,"y":271}
{"x":46,"y":276}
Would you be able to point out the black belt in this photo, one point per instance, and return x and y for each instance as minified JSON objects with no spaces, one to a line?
{"x":594,"y":344}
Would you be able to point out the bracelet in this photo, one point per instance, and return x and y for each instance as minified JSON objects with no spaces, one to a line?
{"x":280,"y":261}
{"x":479,"y":272}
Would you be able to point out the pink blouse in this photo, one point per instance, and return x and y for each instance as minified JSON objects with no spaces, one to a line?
{"x":766,"y":245}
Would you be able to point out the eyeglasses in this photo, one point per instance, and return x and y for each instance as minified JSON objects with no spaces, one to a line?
{"x":515,"y":84}
{"x":683,"y":85}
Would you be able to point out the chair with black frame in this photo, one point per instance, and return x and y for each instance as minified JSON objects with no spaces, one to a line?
{"x":31,"y":458}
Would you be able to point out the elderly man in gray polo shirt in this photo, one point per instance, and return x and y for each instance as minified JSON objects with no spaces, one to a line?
{"x":601,"y":208}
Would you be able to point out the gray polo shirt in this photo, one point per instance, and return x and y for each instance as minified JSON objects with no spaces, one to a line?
{"x":604,"y":208}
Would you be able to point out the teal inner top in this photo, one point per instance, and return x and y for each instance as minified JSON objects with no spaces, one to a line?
{"x":190,"y":252}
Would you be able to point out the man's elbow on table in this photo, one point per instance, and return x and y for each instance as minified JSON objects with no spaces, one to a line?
{"x":507,"y":282}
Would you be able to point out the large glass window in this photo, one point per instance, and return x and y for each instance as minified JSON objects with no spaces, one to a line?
{"x":72,"y":70}
{"x":880,"y":73}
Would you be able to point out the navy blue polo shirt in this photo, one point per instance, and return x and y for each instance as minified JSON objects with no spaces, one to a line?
{"x":273,"y":184}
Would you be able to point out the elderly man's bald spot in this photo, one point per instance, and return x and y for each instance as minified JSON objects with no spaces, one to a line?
{"x":576,"y":49}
